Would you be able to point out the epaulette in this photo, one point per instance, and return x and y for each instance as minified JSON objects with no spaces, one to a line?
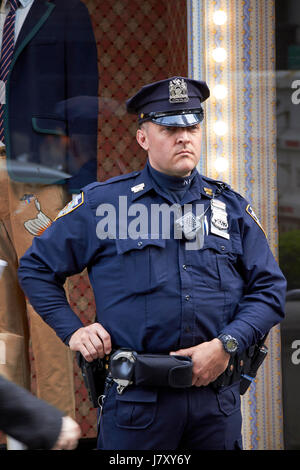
{"x":126,"y":176}
{"x":114,"y":179}
{"x":221,"y":186}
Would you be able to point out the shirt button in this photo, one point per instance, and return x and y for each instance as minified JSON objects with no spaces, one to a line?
{"x":184,"y":267}
{"x":222,"y":247}
{"x":187,"y":297}
{"x":187,"y":329}
{"x":140,"y":243}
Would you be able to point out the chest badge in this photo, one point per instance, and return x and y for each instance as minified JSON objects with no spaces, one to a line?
{"x":219,"y":222}
{"x":138,"y":188}
{"x":189,"y":225}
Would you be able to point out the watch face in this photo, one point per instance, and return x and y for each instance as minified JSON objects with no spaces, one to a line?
{"x":231,"y":344}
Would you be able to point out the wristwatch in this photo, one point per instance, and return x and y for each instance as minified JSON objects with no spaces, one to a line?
{"x":230,"y":344}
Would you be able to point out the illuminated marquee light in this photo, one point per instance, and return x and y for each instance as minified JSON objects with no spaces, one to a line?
{"x":219,"y":54}
{"x":221,"y":164}
{"x":219,"y":17}
{"x":220,"y":128}
{"x":220,"y":92}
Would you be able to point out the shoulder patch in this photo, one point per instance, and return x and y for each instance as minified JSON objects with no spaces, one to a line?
{"x":71,"y":206}
{"x":251,"y":212}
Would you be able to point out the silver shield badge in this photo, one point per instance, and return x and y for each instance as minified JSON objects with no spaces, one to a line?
{"x":178,"y":92}
{"x":219,"y":222}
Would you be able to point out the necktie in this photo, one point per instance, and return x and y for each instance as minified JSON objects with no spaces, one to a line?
{"x":7,"y":50}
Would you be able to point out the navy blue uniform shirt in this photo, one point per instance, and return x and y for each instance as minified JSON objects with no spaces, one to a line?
{"x":153,"y":294}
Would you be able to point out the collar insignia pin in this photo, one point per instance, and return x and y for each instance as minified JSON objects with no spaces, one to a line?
{"x":138,"y":188}
{"x":208,"y":191}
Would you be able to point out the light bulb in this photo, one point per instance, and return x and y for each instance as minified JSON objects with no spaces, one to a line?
{"x":220,"y":92}
{"x":220,"y":128}
{"x":219,"y":17}
{"x":221,"y":164}
{"x":219,"y":54}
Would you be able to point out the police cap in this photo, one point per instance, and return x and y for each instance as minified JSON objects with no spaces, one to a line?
{"x":173,"y":102}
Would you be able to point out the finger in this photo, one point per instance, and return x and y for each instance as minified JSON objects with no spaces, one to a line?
{"x":86,"y":353}
{"x":195,"y":381}
{"x":90,"y":340}
{"x":182,"y":352}
{"x":98,"y":345}
{"x":105,"y":338}
{"x":198,"y":382}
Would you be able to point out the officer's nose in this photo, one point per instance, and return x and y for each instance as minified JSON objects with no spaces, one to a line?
{"x":183,"y":135}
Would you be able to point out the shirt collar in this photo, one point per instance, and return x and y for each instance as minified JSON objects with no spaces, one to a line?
{"x":198,"y":189}
{"x":23,"y":3}
{"x":169,"y":182}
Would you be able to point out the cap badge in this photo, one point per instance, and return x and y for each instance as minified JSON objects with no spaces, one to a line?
{"x":178,"y":92}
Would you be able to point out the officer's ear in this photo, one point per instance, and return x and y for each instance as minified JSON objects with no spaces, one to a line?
{"x":142,"y":137}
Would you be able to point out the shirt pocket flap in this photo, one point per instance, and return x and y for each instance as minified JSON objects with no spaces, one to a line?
{"x":218,"y":244}
{"x":128,"y":244}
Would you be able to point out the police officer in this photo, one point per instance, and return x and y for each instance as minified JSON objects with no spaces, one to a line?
{"x":199,"y":280}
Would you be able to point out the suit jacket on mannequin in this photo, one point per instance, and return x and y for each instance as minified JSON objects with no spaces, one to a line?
{"x":50,"y":131}
{"x":51,"y":96}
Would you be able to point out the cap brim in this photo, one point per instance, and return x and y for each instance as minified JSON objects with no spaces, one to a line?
{"x":178,"y":120}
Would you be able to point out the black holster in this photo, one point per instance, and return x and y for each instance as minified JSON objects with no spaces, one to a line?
{"x":94,"y":375}
{"x":243,"y":367}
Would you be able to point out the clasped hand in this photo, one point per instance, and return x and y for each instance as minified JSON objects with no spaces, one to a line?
{"x":91,"y":341}
{"x":209,"y":361}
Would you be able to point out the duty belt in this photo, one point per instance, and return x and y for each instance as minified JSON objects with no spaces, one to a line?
{"x":127,"y":367}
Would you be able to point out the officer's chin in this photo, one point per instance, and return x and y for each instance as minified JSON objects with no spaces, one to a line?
{"x":186,"y":167}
